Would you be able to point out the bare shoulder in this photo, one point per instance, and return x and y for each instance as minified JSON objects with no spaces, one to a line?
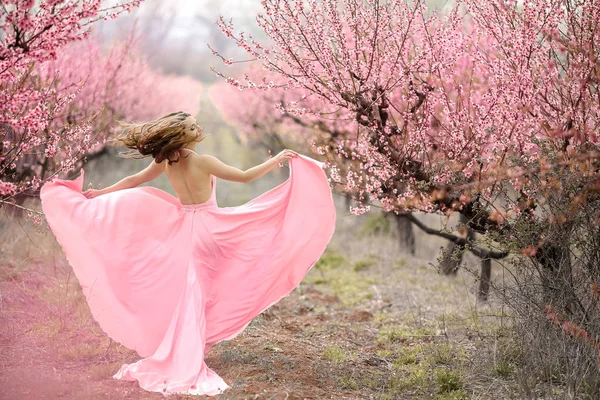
{"x":206,"y":158}
{"x":214,"y":166}
{"x":206,"y":162}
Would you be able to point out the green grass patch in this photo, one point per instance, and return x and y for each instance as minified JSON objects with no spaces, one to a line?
{"x":424,"y":268}
{"x":453,"y":395}
{"x":412,"y":378}
{"x":380,"y":317}
{"x":448,"y":381}
{"x":273,"y":348}
{"x":47,"y":329}
{"x":441,"y":353}
{"x":349,"y":383}
{"x":10,"y":275}
{"x":409,"y":355}
{"x":335,"y":354}
{"x":349,"y":286}
{"x":416,"y":373}
{"x":385,"y":353}
{"x":373,"y":379}
{"x":330,"y":260}
{"x":400,"y":263}
{"x":240,"y":355}
{"x":364,"y":264}
{"x":508,"y":357}
{"x":504,"y":369}
{"x":394,"y":333}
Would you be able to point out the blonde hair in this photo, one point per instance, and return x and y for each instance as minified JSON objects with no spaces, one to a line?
{"x":160,"y":138}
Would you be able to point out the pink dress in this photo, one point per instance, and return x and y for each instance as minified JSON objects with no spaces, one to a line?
{"x":170,"y":280}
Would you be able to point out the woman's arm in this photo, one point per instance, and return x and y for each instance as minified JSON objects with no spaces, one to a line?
{"x":216,"y":167}
{"x":149,"y":173}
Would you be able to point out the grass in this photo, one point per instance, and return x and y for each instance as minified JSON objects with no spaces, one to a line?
{"x":364,"y":264}
{"x":335,"y":354}
{"x":412,"y":379}
{"x":47,"y":329}
{"x":508,"y":357}
{"x":424,"y":368}
{"x":335,"y":276}
{"x":452,"y":395}
{"x":380,"y":317}
{"x":448,"y":381}
{"x":102,"y":371}
{"x":330,"y":260}
{"x":409,"y":355}
{"x":441,"y":354}
{"x":11,"y":273}
{"x":80,"y":351}
{"x":395,"y":333}
{"x":238,"y":355}
{"x":273,"y":348}
{"x":349,"y":383}
{"x":400,"y":263}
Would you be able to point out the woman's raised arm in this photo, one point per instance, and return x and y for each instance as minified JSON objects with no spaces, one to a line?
{"x":149,"y":173}
{"x":216,"y":167}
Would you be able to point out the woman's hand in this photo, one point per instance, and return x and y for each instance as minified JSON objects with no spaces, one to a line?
{"x":285,"y":155}
{"x":91,"y":193}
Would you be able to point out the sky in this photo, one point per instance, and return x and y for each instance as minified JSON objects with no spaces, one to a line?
{"x":187,"y":13}
{"x":174,"y":33}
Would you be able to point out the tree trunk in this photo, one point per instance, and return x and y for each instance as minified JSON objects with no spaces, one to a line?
{"x":453,"y":254}
{"x":484,"y":282}
{"x":557,"y":281}
{"x":348,"y":200}
{"x":405,"y":233}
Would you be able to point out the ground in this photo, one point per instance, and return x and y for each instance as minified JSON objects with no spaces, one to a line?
{"x":368,"y":322}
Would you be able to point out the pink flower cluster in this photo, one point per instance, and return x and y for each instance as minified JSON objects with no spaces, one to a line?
{"x":7,"y":188}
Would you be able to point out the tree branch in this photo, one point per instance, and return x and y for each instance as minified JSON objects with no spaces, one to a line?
{"x":479,"y":252}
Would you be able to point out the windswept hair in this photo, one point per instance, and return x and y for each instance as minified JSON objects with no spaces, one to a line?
{"x":160,"y":138}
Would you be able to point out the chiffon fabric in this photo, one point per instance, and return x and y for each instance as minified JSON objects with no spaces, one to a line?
{"x":170,"y":280}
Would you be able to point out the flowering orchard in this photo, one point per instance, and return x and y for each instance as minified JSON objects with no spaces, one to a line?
{"x":490,"y":109}
{"x":31,"y":35}
{"x":446,"y":103}
{"x":115,"y":84}
{"x":60,"y":92}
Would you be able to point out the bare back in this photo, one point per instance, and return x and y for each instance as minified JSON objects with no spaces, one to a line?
{"x":191,"y":176}
{"x":189,"y":180}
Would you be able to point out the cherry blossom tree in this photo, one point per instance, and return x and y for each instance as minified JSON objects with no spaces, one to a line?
{"x":32,"y":34}
{"x":490,"y":109}
{"x":61,"y":92}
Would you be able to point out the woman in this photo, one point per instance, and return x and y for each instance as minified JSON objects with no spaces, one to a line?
{"x":169,"y":277}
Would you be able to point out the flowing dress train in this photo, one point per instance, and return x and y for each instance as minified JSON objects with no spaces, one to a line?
{"x":170,"y":280}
